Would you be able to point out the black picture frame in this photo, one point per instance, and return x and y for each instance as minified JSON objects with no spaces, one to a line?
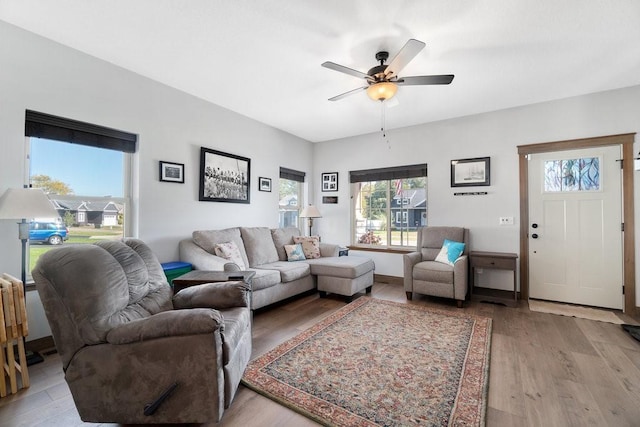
{"x":171,"y":172}
{"x":264,"y":184}
{"x":471,"y":172}
{"x":329,"y":181}
{"x":224,"y":177}
{"x":331,"y":200}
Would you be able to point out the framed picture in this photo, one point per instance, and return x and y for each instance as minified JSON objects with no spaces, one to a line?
{"x":330,"y":181}
{"x":224,"y":177}
{"x":330,"y":199}
{"x":264,"y":184}
{"x":471,"y":172}
{"x":171,"y":172}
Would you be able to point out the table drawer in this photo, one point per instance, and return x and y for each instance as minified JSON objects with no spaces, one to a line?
{"x":500,"y":263}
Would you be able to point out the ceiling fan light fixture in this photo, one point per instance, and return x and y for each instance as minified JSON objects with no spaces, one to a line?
{"x":382,"y":91}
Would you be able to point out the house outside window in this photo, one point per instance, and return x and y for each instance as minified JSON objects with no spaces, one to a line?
{"x":85,"y":171}
{"x":290,"y":197}
{"x":389,"y":205}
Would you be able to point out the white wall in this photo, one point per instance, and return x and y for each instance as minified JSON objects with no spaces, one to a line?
{"x":497,"y":135}
{"x":40,"y":75}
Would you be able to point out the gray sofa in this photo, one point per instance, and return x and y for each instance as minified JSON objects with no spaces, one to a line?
{"x":262,"y":250}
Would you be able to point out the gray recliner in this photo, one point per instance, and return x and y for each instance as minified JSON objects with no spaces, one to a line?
{"x":424,"y":275}
{"x":131,"y":351}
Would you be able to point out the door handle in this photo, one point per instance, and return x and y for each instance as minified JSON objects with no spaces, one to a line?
{"x":534,"y":236}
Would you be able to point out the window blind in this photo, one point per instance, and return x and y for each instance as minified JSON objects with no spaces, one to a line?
{"x":383,"y":174}
{"x":291,"y":174}
{"x":41,"y":125}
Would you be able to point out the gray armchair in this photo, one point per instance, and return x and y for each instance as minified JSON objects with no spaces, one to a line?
{"x":133,"y":353}
{"x":425,"y":276}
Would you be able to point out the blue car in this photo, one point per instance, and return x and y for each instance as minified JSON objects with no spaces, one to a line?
{"x":48,"y":232}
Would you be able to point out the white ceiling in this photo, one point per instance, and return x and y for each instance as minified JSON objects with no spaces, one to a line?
{"x":262,"y":58}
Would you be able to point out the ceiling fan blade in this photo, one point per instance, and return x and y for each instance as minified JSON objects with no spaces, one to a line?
{"x":406,"y":54}
{"x":343,"y":69}
{"x":443,"y":79}
{"x":351,"y":92}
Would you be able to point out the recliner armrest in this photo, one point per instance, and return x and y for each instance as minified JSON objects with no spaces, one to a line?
{"x":409,"y":260}
{"x":213,"y":295}
{"x":167,"y":324}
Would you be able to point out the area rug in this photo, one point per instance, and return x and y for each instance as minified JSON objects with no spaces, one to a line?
{"x":377,"y":362}
{"x":574,"y":311}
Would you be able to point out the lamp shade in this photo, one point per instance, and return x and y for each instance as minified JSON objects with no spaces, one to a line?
{"x":382,"y":91}
{"x":19,"y":203}
{"x":310,"y":212}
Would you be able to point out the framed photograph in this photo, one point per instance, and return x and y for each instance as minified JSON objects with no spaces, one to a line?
{"x":171,"y":172}
{"x":224,"y":177}
{"x":330,"y":181}
{"x":264,"y":184}
{"x":330,"y":199}
{"x":471,"y":172}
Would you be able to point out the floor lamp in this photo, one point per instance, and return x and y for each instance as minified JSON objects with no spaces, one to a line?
{"x":310,"y":212}
{"x":23,"y":204}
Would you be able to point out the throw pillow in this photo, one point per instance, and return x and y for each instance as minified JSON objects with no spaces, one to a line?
{"x":450,"y":252}
{"x":294,"y":252}
{"x":230,"y":251}
{"x":310,"y":246}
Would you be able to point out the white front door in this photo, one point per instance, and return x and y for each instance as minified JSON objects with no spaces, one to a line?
{"x":575,"y":236}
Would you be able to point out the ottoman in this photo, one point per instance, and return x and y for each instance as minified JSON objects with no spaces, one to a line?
{"x":346,"y":275}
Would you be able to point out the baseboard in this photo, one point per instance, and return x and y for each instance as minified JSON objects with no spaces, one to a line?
{"x":40,"y":344}
{"x":392,"y":280}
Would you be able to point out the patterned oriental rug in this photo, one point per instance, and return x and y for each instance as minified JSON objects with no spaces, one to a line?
{"x":377,"y":362}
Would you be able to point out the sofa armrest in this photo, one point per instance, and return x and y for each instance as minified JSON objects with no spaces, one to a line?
{"x":213,"y":295}
{"x":329,"y":249}
{"x":201,"y":259}
{"x":167,"y":324}
{"x":409,"y":260}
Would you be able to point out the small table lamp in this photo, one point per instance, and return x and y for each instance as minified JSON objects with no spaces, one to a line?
{"x":310,"y":212}
{"x":23,"y":204}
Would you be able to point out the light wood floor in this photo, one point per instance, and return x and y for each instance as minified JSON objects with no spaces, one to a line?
{"x":546,"y":370}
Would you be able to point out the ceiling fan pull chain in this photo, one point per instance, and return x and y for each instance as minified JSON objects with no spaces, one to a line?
{"x":383,"y":125}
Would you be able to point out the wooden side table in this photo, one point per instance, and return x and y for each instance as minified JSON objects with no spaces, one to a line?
{"x":498,"y":261}
{"x":199,"y":277}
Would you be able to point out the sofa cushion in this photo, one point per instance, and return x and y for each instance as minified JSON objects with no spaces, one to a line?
{"x":310,"y":246}
{"x":433,"y":271}
{"x":348,"y":267}
{"x":259,"y":245}
{"x":207,"y":240}
{"x":294,"y":252}
{"x":281,"y":237}
{"x":264,"y":279}
{"x":231,"y":252}
{"x":289,"y":271}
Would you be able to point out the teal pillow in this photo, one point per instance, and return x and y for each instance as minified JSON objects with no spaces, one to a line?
{"x":294,"y":252}
{"x":450,"y":252}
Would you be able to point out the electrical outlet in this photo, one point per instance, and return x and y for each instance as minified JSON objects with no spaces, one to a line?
{"x":505,"y":220}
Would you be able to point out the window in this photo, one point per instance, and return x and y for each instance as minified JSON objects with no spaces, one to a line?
{"x":290,"y":194}
{"x":389,"y":205}
{"x":85,"y":170}
{"x":572,"y":175}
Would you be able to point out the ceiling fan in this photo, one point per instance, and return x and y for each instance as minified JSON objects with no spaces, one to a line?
{"x":382,"y":80}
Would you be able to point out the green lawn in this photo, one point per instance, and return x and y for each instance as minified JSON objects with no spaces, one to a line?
{"x":76,"y":235}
